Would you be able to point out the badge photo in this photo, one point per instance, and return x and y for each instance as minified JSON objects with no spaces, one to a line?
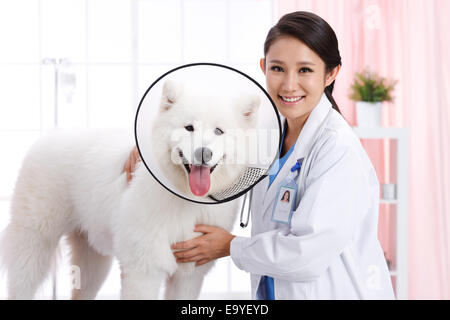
{"x":282,"y":211}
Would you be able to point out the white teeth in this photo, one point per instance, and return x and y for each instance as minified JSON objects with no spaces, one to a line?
{"x":291,"y":99}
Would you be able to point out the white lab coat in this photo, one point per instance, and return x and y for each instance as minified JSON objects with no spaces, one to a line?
{"x":330,"y":250}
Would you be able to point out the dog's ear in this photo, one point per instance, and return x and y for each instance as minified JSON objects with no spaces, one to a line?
{"x":170,"y":94}
{"x":248,"y":107}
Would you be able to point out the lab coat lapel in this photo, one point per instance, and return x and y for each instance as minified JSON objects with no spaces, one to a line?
{"x":301,"y":149}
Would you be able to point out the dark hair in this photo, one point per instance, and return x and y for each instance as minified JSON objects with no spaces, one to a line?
{"x":316,"y":33}
{"x":288,"y":193}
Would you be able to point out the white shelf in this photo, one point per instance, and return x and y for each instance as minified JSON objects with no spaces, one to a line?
{"x":401,"y":259}
{"x":388,"y":201}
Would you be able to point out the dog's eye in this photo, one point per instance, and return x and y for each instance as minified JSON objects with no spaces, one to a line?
{"x":189,"y":127}
{"x":218,"y":131}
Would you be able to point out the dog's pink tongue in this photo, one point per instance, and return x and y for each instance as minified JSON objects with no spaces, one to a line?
{"x":199,"y":180}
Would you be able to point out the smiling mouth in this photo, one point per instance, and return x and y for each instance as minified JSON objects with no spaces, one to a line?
{"x":291,"y":100}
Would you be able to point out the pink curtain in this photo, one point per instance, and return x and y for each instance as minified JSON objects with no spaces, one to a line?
{"x":407,"y":40}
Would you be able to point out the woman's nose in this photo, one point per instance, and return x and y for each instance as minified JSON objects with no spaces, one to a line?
{"x":290,"y":82}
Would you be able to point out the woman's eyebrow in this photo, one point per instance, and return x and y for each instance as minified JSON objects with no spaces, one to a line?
{"x":300,"y":62}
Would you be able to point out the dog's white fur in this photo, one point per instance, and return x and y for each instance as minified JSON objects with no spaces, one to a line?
{"x":72,"y":183}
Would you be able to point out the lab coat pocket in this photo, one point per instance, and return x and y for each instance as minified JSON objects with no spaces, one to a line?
{"x":290,"y":290}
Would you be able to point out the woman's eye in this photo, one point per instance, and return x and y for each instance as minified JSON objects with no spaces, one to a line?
{"x":304,"y":69}
{"x":218,"y":131}
{"x":189,"y":127}
{"x":276,"y":68}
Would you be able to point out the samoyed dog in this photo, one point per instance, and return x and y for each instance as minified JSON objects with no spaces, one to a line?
{"x":72,"y":184}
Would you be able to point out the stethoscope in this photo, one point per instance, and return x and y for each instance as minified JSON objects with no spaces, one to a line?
{"x":242,"y":224}
{"x":250,"y":193}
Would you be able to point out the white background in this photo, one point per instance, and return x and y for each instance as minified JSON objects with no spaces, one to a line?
{"x":113,"y":51}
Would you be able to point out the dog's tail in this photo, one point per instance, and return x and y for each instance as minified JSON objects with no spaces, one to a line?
{"x":7,"y":262}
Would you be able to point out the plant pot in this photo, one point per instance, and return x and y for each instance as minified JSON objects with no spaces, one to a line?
{"x":368,"y":114}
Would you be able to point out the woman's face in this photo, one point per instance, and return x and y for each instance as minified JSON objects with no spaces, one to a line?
{"x":295,"y":77}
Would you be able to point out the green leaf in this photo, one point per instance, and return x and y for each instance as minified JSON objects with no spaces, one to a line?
{"x":368,"y":86}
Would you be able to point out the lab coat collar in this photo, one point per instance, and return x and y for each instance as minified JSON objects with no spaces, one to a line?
{"x":301,"y":149}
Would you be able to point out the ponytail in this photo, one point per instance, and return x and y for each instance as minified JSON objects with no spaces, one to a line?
{"x":329,"y":94}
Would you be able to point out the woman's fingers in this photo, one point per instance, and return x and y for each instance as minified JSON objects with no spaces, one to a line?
{"x":127,"y":169}
{"x":202,"y":261}
{"x":185,"y":245}
{"x":192,"y":259}
{"x":131,"y":162}
{"x":191,"y":250}
{"x":204,"y":228}
{"x":187,"y":254}
{"x":213,"y":244}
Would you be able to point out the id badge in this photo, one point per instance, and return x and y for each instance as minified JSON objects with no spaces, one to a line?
{"x":284,"y":203}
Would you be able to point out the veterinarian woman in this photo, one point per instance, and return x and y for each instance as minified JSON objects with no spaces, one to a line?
{"x":327,"y":247}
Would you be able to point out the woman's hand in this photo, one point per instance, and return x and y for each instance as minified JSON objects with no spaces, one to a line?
{"x":213,"y":244}
{"x":130,"y":165}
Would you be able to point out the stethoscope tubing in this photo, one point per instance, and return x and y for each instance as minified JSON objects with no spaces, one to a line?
{"x":242,"y":224}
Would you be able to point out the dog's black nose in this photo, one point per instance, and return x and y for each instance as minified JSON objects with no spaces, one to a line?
{"x":202,"y":155}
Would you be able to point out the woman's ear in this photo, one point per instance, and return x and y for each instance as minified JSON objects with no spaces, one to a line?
{"x":331,"y":76}
{"x":262,"y":65}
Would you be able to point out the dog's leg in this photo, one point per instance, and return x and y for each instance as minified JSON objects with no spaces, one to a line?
{"x":186,"y":282}
{"x":143,"y":267}
{"x":27,"y":255}
{"x":139,"y":285}
{"x":93,"y":267}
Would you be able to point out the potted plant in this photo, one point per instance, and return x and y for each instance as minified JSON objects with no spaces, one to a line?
{"x":369,"y":90}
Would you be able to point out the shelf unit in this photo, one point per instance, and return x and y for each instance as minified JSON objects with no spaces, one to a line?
{"x":400,"y":274}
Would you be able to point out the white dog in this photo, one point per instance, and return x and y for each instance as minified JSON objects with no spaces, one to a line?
{"x":71,"y":183}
